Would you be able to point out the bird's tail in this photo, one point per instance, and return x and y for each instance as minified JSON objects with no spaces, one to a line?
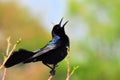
{"x":18,"y":57}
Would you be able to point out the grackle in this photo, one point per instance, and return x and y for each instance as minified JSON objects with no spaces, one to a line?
{"x":50,"y":54}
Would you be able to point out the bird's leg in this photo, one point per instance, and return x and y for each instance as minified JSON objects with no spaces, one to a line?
{"x":52,"y":72}
{"x":49,"y":66}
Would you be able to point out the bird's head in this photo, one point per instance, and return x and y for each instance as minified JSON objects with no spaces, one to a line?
{"x":58,"y":29}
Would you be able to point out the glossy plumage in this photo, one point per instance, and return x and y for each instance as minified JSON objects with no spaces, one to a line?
{"x":51,"y":53}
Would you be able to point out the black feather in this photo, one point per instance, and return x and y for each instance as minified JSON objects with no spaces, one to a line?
{"x":17,"y":57}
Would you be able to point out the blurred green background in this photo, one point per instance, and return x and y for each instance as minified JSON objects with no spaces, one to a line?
{"x":94,"y":31}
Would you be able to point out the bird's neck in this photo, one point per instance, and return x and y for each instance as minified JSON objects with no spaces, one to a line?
{"x":63,"y":38}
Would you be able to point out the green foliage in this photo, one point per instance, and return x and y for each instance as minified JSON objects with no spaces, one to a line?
{"x":4,"y":56}
{"x":96,"y":54}
{"x":74,"y":69}
{"x":18,"y":41}
{"x":99,"y":50}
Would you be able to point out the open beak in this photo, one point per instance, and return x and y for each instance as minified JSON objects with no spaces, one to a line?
{"x":61,"y":21}
{"x":64,"y":23}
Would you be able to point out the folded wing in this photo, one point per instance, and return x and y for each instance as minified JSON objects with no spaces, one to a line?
{"x":55,"y":43}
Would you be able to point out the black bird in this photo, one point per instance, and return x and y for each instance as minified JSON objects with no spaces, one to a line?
{"x":52,"y":53}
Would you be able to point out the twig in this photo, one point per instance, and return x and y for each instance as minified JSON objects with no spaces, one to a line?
{"x":68,"y":67}
{"x":4,"y":74}
{"x":7,"y":55}
{"x":8,"y":46}
{"x":51,"y":77}
{"x":70,"y":73}
{"x":7,"y":52}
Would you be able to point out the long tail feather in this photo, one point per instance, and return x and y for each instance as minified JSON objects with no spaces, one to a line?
{"x":18,"y":57}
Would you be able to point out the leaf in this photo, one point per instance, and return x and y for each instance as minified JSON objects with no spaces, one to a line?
{"x":4,"y":56}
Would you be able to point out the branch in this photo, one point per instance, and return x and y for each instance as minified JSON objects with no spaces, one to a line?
{"x":51,"y":77}
{"x":7,"y":52}
{"x":8,"y":46}
{"x":68,"y":67}
{"x":69,"y":74}
{"x":7,"y":55}
{"x":4,"y":74}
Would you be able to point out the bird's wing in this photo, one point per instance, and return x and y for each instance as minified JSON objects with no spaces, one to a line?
{"x":53,"y":44}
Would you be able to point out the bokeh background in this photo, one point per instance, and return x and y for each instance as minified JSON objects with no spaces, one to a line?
{"x":94,"y":31}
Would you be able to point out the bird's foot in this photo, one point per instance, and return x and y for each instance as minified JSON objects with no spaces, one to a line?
{"x":52,"y":72}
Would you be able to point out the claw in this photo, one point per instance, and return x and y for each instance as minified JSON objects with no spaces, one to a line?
{"x":52,"y":72}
